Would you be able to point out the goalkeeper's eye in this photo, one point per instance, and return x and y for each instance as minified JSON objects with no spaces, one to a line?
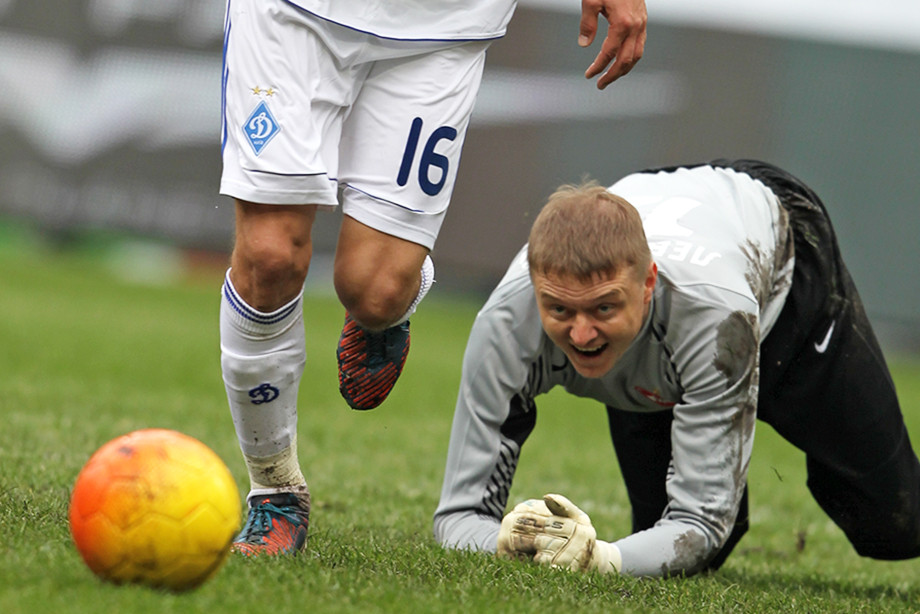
{"x":606,"y":310}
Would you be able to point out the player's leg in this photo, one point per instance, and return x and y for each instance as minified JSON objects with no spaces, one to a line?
{"x":837,"y":403}
{"x":398,"y":168}
{"x":642,"y":442}
{"x":380,"y":280}
{"x":271,"y":154}
{"x":262,"y":359}
{"x":825,"y":387}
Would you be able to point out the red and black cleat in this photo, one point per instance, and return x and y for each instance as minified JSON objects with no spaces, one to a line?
{"x":370,"y":363}
{"x":277,"y":524}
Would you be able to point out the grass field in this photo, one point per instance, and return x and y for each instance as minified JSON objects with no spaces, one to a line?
{"x":87,"y":356}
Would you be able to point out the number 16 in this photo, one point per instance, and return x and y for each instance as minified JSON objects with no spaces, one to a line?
{"x":429,"y":157}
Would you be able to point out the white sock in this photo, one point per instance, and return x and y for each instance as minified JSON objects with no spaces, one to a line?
{"x":427,"y":282}
{"x":262,"y":360}
{"x":276,"y":473}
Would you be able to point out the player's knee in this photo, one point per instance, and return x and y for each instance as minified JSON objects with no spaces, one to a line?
{"x":888,"y":549}
{"x":375,"y":312}
{"x":376,"y":304}
{"x":269,"y":274}
{"x":892,"y":537}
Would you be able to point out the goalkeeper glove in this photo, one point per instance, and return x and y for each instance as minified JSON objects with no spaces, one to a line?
{"x":557,"y":533}
{"x":519,"y":528}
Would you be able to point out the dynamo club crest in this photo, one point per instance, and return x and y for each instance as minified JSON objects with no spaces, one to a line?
{"x":260,"y":127}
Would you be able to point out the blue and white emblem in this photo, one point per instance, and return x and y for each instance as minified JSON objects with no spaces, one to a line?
{"x":261,"y":127}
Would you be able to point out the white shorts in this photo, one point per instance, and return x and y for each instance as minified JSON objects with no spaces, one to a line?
{"x":310,"y":107}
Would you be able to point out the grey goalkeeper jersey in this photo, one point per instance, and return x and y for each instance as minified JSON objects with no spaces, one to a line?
{"x":722,"y":244}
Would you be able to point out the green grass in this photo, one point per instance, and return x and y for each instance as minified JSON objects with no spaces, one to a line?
{"x":86,"y":356}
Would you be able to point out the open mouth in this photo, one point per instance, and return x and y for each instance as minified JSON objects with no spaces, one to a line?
{"x":589,"y":352}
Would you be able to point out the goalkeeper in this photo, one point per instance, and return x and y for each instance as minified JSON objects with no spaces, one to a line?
{"x":718,"y":296}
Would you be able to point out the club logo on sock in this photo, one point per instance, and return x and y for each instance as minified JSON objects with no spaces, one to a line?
{"x":263,"y":393}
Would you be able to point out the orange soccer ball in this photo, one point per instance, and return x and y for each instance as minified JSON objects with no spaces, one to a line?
{"x":154,"y":507}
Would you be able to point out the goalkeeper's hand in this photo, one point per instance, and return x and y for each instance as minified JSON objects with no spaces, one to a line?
{"x":555,"y":532}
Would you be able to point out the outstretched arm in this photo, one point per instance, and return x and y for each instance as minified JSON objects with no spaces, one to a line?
{"x":625,"y":39}
{"x":495,"y":413}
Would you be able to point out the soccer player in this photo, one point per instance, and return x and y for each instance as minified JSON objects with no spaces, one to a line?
{"x":690,"y":301}
{"x":366,"y":101}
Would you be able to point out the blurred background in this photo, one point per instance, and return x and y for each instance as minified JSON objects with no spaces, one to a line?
{"x":110,"y":118}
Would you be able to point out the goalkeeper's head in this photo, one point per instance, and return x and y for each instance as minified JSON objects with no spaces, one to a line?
{"x":593,"y":275}
{"x":585,"y":230}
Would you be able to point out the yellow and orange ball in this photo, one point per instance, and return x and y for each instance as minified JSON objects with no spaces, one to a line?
{"x":154,"y":507}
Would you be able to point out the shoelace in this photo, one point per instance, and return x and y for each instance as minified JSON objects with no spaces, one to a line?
{"x":259,"y":522}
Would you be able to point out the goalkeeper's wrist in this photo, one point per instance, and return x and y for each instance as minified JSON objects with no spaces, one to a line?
{"x":607,"y":557}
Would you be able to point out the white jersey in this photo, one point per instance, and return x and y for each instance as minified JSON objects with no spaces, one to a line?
{"x":430,"y":20}
{"x":724,"y":253}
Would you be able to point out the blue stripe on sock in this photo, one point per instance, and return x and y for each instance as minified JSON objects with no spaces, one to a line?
{"x":247,"y":312}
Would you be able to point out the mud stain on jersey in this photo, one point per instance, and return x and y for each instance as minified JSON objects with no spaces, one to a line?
{"x":687,"y":549}
{"x":766,"y":264}
{"x":759,"y":273}
{"x":737,"y":344}
{"x":737,"y":358}
{"x":785,"y":251}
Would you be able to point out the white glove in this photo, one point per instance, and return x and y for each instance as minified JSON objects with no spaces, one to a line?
{"x":520,"y":526}
{"x":557,"y":533}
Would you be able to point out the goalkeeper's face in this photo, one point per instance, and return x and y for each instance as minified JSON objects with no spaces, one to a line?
{"x":595,"y":321}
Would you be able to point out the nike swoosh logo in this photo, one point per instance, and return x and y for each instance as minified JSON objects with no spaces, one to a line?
{"x":820,"y":348}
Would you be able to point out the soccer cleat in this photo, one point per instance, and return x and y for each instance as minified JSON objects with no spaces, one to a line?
{"x":277,"y":524}
{"x":370,"y":363}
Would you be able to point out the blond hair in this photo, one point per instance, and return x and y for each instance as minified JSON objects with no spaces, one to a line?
{"x":585,"y":230}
